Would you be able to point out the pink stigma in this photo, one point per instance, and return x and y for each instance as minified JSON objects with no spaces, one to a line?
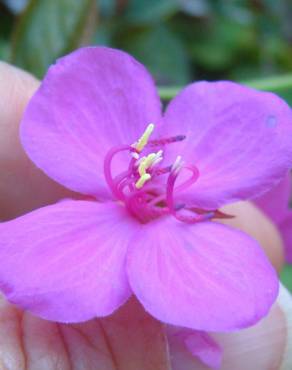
{"x":139,"y":187}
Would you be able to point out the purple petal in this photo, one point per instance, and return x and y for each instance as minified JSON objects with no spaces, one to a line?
{"x":285,"y":228}
{"x":200,"y":344}
{"x":89,"y":101}
{"x":205,"y":276}
{"x":65,"y":262}
{"x":239,"y":139}
{"x":275,"y":203}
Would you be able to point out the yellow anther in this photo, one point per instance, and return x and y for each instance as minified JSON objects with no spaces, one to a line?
{"x":145,"y":163}
{"x":142,"y":180}
{"x":140,"y":144}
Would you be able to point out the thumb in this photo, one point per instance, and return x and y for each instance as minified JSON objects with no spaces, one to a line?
{"x":264,"y":346}
{"x":23,"y":187}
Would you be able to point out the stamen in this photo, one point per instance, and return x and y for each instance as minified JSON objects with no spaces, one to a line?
{"x":135,"y":155}
{"x":168,"y":140}
{"x":145,"y":163}
{"x":144,"y":178}
{"x":151,"y":202}
{"x":158,"y":158}
{"x":161,"y":171}
{"x":176,"y":168}
{"x":195,"y":175}
{"x":107,"y":169}
{"x":217,"y":213}
{"x":142,"y":142}
{"x":177,"y":165}
{"x":139,"y":199}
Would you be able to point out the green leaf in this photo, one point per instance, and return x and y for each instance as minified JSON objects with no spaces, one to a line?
{"x":104,"y":33}
{"x":46,"y":30}
{"x":4,"y":50}
{"x":161,"y":51}
{"x":286,"y":276}
{"x":107,"y":8}
{"x":197,"y":8}
{"x":149,"y":11}
{"x":6,"y":24}
{"x":217,"y":44}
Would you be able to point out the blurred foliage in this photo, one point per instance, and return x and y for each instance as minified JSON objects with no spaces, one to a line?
{"x":178,"y":40}
{"x":46,"y":30}
{"x":286,"y":277}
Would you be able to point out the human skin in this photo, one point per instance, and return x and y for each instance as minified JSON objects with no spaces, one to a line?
{"x":129,"y":339}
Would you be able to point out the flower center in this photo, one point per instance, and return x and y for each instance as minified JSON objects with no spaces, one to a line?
{"x":141,"y":187}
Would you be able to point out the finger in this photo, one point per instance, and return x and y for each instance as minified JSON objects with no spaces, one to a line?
{"x":265,"y":346}
{"x":22,"y":186}
{"x":249,"y":219}
{"x":128,"y":340}
{"x":11,"y":354}
{"x":137,"y":339}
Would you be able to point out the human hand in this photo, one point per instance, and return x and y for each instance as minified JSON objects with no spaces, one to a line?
{"x":130,"y":338}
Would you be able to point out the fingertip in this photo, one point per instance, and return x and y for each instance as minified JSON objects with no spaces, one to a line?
{"x":23,"y":187}
{"x":265,"y":345}
{"x":15,"y":85}
{"x":251,"y":220}
{"x":16,"y":88}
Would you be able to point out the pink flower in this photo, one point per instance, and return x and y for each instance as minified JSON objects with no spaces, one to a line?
{"x":155,"y":182}
{"x":275,"y":204}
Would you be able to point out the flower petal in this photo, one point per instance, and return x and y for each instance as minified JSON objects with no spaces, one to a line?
{"x":65,"y":262}
{"x":205,"y":276}
{"x":200,"y":344}
{"x":275,"y":203}
{"x":285,"y":228}
{"x":239,"y":139}
{"x":89,"y":101}
{"x":203,"y":346}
